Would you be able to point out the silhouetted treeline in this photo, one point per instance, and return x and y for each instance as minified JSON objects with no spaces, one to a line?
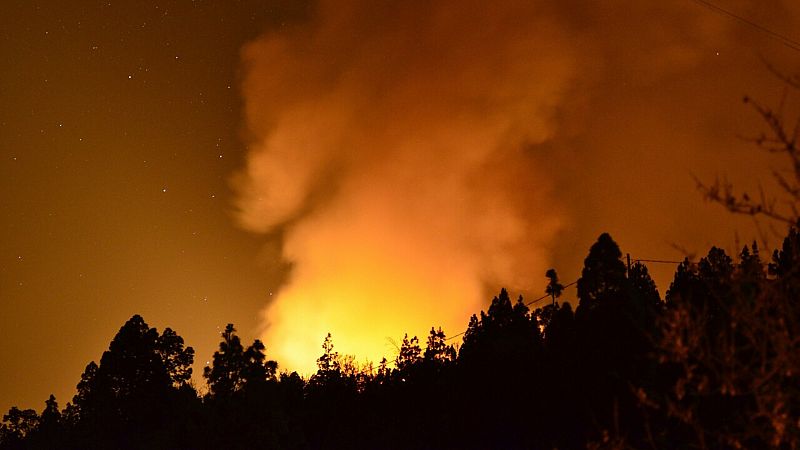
{"x":714,"y":365}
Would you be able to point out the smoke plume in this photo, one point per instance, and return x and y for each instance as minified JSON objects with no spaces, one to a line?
{"x":414,"y":156}
{"x":389,"y":147}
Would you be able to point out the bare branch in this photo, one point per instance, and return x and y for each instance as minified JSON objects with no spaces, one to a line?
{"x":777,"y":139}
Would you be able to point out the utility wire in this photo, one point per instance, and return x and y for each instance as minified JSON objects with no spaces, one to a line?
{"x":658,"y":261}
{"x":546,"y":296}
{"x":455,"y":336}
{"x":785,"y":40}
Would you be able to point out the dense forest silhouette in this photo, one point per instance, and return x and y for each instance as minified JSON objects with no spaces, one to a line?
{"x":714,"y":365}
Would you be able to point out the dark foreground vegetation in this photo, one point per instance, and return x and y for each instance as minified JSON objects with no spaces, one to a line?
{"x":715,"y":365}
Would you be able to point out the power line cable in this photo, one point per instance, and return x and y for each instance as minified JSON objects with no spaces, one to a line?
{"x":785,"y":40}
{"x":658,"y":261}
{"x":455,"y":336}
{"x":546,"y":296}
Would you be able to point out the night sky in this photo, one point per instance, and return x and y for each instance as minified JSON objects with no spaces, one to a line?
{"x":120,"y":129}
{"x":360,"y":167}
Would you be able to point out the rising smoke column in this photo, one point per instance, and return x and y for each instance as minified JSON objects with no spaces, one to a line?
{"x":388,"y":146}
{"x":413,"y":155}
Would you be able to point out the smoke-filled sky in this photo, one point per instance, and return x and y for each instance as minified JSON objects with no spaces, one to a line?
{"x":364,"y":168}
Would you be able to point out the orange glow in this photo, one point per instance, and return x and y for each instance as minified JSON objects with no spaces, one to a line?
{"x":446,"y":147}
{"x":402,"y":195}
{"x":382,"y":259}
{"x":411,"y":159}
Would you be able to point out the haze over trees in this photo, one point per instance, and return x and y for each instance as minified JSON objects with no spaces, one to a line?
{"x":715,"y":364}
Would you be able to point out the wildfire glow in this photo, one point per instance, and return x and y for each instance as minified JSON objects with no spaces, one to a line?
{"x":393,"y":164}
